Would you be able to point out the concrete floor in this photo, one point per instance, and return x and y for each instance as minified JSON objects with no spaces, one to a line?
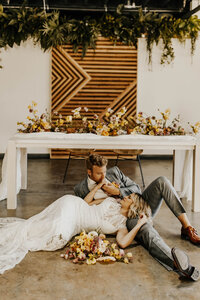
{"x":44,"y":275}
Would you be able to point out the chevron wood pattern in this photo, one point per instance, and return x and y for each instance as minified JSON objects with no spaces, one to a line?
{"x":105,"y":77}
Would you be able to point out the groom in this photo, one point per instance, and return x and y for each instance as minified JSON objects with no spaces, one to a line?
{"x":101,"y":183}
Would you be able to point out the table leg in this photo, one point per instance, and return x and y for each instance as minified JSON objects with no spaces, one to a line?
{"x":12,"y":176}
{"x":24,"y":168}
{"x":196,"y":180}
{"x":176,"y":171}
{"x":173,"y":167}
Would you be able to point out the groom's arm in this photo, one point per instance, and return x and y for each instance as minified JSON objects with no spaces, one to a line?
{"x":127,"y":185}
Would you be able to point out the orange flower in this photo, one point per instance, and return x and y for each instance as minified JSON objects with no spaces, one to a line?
{"x":105,"y":133}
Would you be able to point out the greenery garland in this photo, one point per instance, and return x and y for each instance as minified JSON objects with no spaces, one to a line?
{"x":53,"y":29}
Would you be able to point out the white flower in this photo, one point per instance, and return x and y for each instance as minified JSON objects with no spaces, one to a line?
{"x":69,"y":119}
{"x":129,"y":255}
{"x":106,"y":258}
{"x":76,"y":111}
{"x":102,"y":246}
{"x":110,"y":110}
{"x":121,"y":132}
{"x":113,"y":118}
{"x":92,"y":234}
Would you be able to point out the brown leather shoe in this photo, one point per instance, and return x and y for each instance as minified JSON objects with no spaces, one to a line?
{"x":190,"y":234}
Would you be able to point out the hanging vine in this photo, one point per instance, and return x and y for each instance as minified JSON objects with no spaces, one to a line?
{"x":53,"y":29}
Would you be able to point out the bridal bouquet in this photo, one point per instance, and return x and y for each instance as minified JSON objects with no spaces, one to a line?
{"x":92,"y":248}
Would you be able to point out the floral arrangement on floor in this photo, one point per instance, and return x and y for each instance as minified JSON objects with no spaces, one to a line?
{"x":92,"y":248}
{"x":109,"y":125}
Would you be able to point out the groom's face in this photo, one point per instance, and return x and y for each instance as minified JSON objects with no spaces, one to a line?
{"x":97,"y":173}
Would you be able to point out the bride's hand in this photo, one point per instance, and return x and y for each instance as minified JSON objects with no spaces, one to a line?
{"x":101,"y":183}
{"x":142,"y":219}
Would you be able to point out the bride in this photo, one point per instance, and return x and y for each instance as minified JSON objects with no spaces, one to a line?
{"x":52,"y":228}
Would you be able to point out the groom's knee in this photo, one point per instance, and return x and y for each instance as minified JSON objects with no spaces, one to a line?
{"x":162,"y":181}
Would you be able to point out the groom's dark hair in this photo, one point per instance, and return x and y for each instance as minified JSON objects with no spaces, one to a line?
{"x":95,"y":160}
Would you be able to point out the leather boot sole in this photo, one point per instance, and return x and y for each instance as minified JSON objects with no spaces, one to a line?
{"x":183,"y":265}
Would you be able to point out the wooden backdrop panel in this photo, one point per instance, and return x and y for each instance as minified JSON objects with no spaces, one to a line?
{"x":105,"y":78}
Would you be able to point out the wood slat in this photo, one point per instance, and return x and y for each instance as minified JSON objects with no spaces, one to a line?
{"x":105,"y":77}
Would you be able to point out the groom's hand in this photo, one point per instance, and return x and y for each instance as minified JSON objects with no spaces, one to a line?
{"x":110,"y":189}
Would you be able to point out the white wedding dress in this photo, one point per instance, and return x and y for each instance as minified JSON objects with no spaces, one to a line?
{"x":55,"y":226}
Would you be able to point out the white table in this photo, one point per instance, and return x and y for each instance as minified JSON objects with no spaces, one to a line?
{"x":91,"y":141}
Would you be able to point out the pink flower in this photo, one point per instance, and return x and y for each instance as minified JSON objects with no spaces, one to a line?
{"x":121,"y":252}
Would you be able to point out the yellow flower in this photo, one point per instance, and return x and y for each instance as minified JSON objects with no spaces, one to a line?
{"x":29,"y":118}
{"x":29,"y":107}
{"x":99,"y":126}
{"x":106,"y":242}
{"x":111,"y":125}
{"x":151,"y":132}
{"x":91,"y":261}
{"x":123,"y":110}
{"x":126,"y":260}
{"x":46,"y":125}
{"x":113,"y":245}
{"x":107,"y":114}
{"x":90,"y":125}
{"x":34,"y":103}
{"x":168,"y":111}
{"x":61,"y":121}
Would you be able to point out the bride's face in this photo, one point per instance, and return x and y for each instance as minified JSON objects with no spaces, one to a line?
{"x":126,"y":202}
{"x":97,"y":173}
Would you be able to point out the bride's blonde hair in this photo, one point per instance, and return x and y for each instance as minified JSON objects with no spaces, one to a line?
{"x":139,"y":206}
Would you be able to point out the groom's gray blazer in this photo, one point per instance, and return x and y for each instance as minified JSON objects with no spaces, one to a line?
{"x":126,"y":185}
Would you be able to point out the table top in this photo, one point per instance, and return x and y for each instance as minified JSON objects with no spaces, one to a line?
{"x":93,"y":141}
